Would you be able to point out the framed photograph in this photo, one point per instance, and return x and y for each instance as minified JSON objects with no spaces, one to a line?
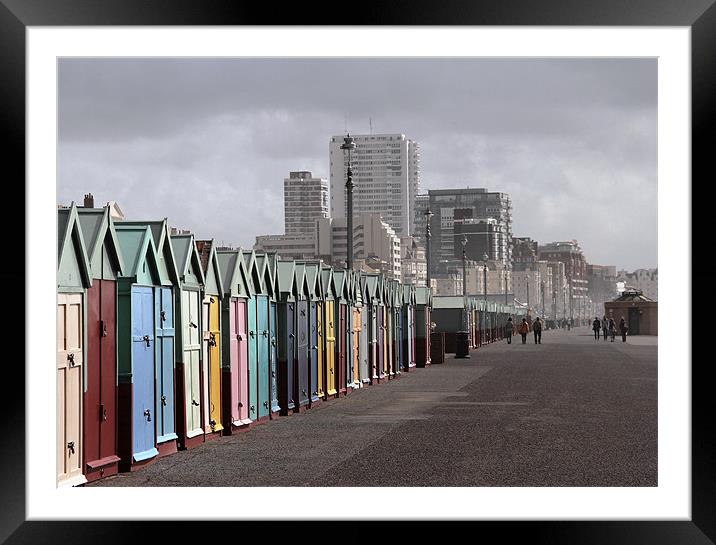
{"x":588,"y":120}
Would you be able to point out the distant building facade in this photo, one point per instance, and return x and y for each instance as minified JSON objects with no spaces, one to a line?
{"x":305,"y":200}
{"x":469,"y":206}
{"x":386,"y":175}
{"x":644,"y":280}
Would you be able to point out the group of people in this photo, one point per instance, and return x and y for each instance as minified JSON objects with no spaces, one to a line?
{"x":524,"y":329}
{"x":609,"y":327}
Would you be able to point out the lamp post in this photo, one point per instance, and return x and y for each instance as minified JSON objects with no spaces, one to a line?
{"x":349,"y":145}
{"x":484,"y":287}
{"x":462,"y":348}
{"x":428,"y":215}
{"x":464,"y":284}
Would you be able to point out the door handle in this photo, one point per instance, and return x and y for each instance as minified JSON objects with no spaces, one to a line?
{"x":146,"y":339}
{"x":252,"y":408}
{"x":264,"y":333}
{"x":102,"y":412}
{"x":273,"y":374}
{"x":192,"y":324}
{"x":164,"y":401}
{"x":194,"y":402}
{"x":71,"y":359}
{"x":266,"y":404}
{"x":240,"y":337}
{"x":163,"y":315}
{"x":104,"y":328}
{"x":71,"y":447}
{"x":148,"y":414}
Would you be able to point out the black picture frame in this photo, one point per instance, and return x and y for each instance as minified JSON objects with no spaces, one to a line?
{"x":16,"y":15}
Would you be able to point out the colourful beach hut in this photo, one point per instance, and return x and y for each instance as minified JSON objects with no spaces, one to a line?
{"x":235,"y":344}
{"x":329,"y":318}
{"x":341,"y":323}
{"x":211,"y":303}
{"x":263,"y":348}
{"x":273,"y":336}
{"x":357,"y":323}
{"x":164,"y":334}
{"x":139,"y":301}
{"x":287,"y":396}
{"x":315,"y":306}
{"x":74,"y":277}
{"x":100,"y":393}
{"x":364,"y":365}
{"x":255,"y":283}
{"x":188,"y":304}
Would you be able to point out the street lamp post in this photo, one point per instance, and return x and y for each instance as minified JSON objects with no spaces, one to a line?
{"x":462,"y":348}
{"x":484,"y":286}
{"x":428,"y":215}
{"x":349,"y":145}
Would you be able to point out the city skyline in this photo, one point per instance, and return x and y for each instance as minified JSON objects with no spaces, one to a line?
{"x":558,"y":136}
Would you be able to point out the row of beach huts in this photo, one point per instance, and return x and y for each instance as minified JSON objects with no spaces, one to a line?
{"x":166,"y":342}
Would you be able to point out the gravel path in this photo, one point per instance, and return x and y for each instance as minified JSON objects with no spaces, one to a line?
{"x":569,"y":412}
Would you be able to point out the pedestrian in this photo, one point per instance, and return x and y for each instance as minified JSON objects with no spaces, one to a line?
{"x":612,"y":328}
{"x":596,"y":326}
{"x":509,"y":330}
{"x":623,"y":328}
{"x":524,"y":330}
{"x":605,"y":327}
{"x":537,"y":328}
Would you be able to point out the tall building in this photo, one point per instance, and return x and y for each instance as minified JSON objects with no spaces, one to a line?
{"x":470,"y":206}
{"x":602,"y":283}
{"x":305,"y":199}
{"x":386,"y":175}
{"x":524,"y":253}
{"x":419,"y":219}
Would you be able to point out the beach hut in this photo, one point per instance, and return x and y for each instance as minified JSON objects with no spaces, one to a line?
{"x":313,"y":285}
{"x":381,"y":326}
{"x":341,"y":323}
{"x":235,"y":344}
{"x":389,"y":298}
{"x":188,"y":304}
{"x":364,"y":365}
{"x":273,"y":336}
{"x":100,"y":393}
{"x":164,"y":334}
{"x":212,"y":295}
{"x":263,"y":348}
{"x":371,"y":297}
{"x":138,"y":290}
{"x":303,"y":386}
{"x":74,"y":277}
{"x":423,"y":303}
{"x":397,"y":313}
{"x":329,"y":317}
{"x":255,"y":284}
{"x":287,"y":398}
{"x":356,"y":306}
{"x":409,"y":321}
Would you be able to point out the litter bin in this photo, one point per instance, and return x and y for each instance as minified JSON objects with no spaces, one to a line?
{"x":462,"y":348}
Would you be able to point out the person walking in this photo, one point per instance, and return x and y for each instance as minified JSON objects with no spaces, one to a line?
{"x":537,"y":328}
{"x":524,"y":330}
{"x":509,"y":330}
{"x":612,"y":328}
{"x":596,"y":326}
{"x":623,"y":328}
{"x":605,"y":327}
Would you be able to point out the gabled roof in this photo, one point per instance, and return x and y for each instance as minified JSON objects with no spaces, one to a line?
{"x":69,"y":233}
{"x":186,"y":253}
{"x":339,"y":282}
{"x":329,"y":286}
{"x":423,"y":295}
{"x":302,"y":286}
{"x":313,"y":279}
{"x":137,"y":246}
{"x":97,"y":228}
{"x":286,"y":274}
{"x":207,"y":254}
{"x":265,"y":273}
{"x":371,"y":284}
{"x":235,"y":275}
{"x":162,"y":242}
{"x":448,"y":301}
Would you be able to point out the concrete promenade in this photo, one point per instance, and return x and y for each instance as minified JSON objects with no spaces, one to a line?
{"x":569,"y":412}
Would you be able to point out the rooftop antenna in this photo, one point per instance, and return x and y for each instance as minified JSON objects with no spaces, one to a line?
{"x":370,"y":120}
{"x":345,"y":121}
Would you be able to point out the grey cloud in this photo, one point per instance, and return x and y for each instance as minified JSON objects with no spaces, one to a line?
{"x":208,"y":142}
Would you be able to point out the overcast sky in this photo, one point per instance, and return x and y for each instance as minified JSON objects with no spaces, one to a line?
{"x":208,"y":142}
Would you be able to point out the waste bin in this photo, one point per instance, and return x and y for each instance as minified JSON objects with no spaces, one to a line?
{"x":462,"y":348}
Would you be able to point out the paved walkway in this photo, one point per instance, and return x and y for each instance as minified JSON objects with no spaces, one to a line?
{"x":569,"y":412}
